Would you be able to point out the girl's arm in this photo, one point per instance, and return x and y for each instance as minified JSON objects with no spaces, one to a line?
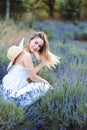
{"x":38,"y":67}
{"x":27,"y":61}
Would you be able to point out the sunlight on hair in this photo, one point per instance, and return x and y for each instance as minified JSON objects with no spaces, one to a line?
{"x":50,"y":60}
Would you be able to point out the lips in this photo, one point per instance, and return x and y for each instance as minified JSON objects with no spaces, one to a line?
{"x":33,"y":50}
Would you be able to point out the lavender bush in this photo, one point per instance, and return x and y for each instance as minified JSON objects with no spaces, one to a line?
{"x":66,"y":106}
{"x":10,"y":115}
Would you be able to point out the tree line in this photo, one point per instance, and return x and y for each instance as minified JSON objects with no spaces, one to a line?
{"x":64,"y":9}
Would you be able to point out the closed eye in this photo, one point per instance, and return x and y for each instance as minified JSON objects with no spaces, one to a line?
{"x":36,"y":42}
{"x":40,"y":46}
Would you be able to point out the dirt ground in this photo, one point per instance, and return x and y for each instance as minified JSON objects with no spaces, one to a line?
{"x":13,"y":35}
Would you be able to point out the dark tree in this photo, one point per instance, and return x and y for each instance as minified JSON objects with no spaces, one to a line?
{"x":50,"y":4}
{"x":11,"y":8}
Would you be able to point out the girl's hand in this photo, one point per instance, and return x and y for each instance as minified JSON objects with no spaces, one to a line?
{"x":45,"y":81}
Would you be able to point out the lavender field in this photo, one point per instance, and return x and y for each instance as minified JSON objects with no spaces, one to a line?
{"x":65,"y":108}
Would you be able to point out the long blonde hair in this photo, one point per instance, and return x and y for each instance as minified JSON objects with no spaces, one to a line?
{"x":48,"y":58}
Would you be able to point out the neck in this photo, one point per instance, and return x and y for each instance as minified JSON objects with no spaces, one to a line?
{"x":27,"y":49}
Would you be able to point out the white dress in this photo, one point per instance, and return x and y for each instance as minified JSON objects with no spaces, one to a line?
{"x":16,"y":86}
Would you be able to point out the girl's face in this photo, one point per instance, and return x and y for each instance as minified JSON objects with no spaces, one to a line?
{"x":35,"y":44}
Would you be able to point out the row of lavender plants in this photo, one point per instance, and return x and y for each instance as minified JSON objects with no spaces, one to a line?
{"x":66,"y":106}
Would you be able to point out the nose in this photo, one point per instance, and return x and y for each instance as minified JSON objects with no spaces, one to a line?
{"x":36,"y":46}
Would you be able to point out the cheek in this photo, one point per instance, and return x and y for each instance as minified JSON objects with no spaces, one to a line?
{"x":30,"y":44}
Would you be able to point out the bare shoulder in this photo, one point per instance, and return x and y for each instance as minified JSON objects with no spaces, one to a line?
{"x":24,"y":59}
{"x":26,"y":54}
{"x":27,"y":59}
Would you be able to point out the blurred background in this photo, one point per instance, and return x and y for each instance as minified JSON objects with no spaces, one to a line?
{"x":21,"y":14}
{"x":65,"y":23}
{"x":43,"y":9}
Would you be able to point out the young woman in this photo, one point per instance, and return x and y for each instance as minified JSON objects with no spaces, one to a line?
{"x":21,"y":68}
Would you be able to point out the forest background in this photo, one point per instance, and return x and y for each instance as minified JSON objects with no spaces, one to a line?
{"x":65,"y":22}
{"x":44,"y":9}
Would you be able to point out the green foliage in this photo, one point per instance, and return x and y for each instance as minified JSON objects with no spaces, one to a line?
{"x":63,"y":107}
{"x":39,"y":9}
{"x":42,"y":9}
{"x":43,"y":15}
{"x":10,"y":115}
{"x":84,"y":9}
{"x":3,"y":58}
{"x":63,"y":46}
{"x":15,"y":8}
{"x":71,"y":10}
